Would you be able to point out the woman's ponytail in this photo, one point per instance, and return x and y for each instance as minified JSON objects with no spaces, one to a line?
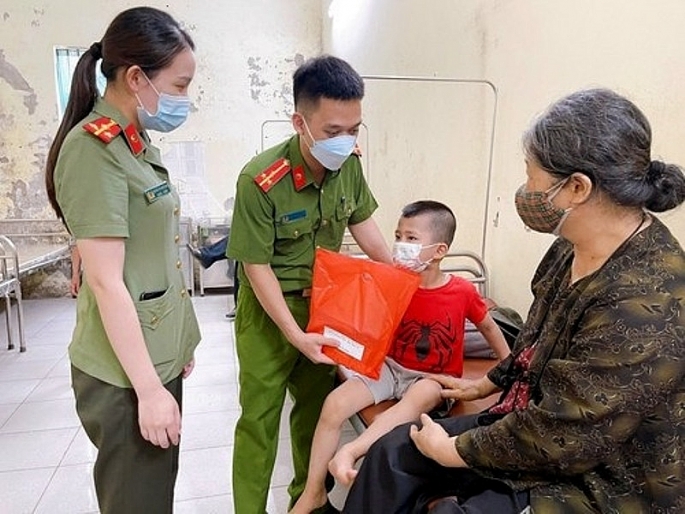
{"x":81,"y":101}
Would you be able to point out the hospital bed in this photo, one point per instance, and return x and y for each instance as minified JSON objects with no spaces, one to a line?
{"x":26,"y":247}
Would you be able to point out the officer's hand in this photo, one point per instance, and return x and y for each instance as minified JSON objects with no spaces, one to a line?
{"x":311,"y":344}
{"x":159,"y":417}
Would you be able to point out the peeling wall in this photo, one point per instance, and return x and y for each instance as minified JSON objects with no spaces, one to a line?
{"x":22,"y":146}
{"x":534,"y":51}
{"x":246,"y":52}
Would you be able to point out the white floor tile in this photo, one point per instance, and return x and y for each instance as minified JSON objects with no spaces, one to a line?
{"x":218,"y":330}
{"x":217,"y":354}
{"x":6,"y":410}
{"x":207,"y":373}
{"x":42,"y":416}
{"x":47,"y":333}
{"x":71,"y":491}
{"x":46,"y":352}
{"x":52,"y":388}
{"x":80,"y":451}
{"x":208,"y":429}
{"x":16,"y":391}
{"x":204,"y":473}
{"x":25,"y":369}
{"x":46,"y":459}
{"x":222,"y":504}
{"x":20,"y":491}
{"x":278,"y":500}
{"x":61,"y":369}
{"x":25,"y":450}
{"x":57,"y":326}
{"x":210,"y":398}
{"x":283,"y":468}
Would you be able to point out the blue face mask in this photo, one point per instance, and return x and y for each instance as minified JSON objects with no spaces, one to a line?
{"x":172,"y":111}
{"x":332,"y":152}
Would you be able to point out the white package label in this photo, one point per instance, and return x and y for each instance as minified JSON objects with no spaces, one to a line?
{"x":347,"y":345}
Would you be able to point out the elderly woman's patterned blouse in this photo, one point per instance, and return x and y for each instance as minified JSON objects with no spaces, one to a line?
{"x":604,"y":430}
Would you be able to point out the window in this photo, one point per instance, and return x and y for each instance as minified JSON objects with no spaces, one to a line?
{"x":65,"y":62}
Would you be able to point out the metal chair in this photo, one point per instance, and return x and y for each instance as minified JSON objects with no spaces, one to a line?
{"x":11,"y":286}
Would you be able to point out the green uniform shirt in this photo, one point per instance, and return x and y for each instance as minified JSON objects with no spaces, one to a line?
{"x":283,"y":225}
{"x":104,"y":190}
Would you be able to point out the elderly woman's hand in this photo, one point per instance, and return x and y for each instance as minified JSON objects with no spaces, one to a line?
{"x":434,"y":443}
{"x":464,"y":388}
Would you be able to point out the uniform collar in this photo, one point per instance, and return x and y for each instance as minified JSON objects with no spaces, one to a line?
{"x":151,"y":154}
{"x":106,"y":109}
{"x":297,"y":161}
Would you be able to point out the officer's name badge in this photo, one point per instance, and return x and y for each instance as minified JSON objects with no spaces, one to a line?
{"x":294,"y":216}
{"x":154,"y":193}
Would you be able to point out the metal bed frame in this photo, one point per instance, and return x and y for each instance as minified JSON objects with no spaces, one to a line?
{"x":35,"y":255}
{"x":11,"y":286}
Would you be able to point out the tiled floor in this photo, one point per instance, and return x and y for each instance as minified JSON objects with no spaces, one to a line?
{"x":45,"y":457}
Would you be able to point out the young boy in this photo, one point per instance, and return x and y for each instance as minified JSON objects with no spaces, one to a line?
{"x":428,"y":340}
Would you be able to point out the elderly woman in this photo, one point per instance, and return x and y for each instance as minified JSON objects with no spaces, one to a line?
{"x":592,"y":414}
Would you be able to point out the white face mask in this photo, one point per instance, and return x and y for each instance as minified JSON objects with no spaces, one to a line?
{"x":408,"y":256}
{"x":332,"y":152}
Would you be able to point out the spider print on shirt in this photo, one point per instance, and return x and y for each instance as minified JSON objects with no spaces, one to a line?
{"x":430,"y":341}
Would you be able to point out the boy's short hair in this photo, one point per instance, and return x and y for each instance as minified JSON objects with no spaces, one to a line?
{"x":443,"y":222}
{"x":325,"y":77}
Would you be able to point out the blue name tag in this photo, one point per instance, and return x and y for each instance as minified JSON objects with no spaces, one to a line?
{"x":154,"y":193}
{"x":294,"y":216}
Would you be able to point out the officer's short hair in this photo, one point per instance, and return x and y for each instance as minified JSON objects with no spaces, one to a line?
{"x":325,"y":77}
{"x":443,"y":221}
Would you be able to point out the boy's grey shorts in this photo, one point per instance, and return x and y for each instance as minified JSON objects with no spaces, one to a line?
{"x":393,"y":382}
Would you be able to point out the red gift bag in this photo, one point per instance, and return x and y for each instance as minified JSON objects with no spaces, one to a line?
{"x":359,"y":303}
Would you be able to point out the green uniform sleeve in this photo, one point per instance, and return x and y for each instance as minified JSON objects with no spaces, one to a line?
{"x":252,"y":228}
{"x":92,"y":188}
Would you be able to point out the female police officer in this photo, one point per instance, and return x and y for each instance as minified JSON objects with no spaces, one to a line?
{"x":136,"y":329}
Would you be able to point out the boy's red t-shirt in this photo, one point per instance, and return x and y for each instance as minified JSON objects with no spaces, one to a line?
{"x":430,"y":337}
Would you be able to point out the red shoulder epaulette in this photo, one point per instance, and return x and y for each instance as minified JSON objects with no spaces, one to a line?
{"x":104,"y":128}
{"x":271,"y":175}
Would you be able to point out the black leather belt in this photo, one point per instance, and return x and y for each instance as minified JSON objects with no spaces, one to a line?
{"x":303,"y":293}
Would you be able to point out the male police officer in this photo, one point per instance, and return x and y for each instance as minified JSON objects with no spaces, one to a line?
{"x":290,"y":199}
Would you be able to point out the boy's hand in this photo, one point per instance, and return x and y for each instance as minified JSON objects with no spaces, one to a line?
{"x":464,"y":388}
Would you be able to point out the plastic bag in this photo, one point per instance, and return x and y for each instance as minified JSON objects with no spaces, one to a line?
{"x":359,"y":303}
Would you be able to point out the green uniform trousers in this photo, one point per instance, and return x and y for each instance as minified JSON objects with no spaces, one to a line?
{"x":270,"y":365}
{"x":132,"y":476}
